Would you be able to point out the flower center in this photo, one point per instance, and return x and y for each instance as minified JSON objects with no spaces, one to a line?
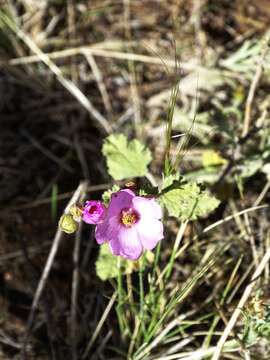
{"x":129,"y":217}
{"x":92,"y":209}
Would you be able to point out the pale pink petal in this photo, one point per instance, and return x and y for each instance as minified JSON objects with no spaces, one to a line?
{"x":119,"y":200}
{"x":115,"y":246}
{"x":150,"y":232}
{"x":107,"y":230}
{"x":101,"y":232}
{"x":127,"y":243}
{"x":147,"y":207}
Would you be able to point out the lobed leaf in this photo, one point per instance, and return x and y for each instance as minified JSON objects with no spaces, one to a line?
{"x":125,"y":159}
{"x":107,"y":265}
{"x":186,"y":201}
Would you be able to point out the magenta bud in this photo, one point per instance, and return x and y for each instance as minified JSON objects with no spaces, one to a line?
{"x":93,"y":212}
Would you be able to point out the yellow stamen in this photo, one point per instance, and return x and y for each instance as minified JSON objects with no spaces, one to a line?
{"x":129,"y":217}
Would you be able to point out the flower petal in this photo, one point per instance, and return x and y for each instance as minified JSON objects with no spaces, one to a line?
{"x":147,"y":207}
{"x":107,"y":230}
{"x":127,"y":243}
{"x":101,"y":232}
{"x":119,"y":200}
{"x":150,"y":232}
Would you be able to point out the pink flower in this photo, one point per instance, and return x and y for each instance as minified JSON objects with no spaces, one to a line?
{"x":93,"y":212}
{"x":132,"y":224}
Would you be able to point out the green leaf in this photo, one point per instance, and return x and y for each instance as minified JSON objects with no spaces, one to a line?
{"x":106,"y":196}
{"x":206,"y":175}
{"x":250,"y":336}
{"x":186,"y":201}
{"x":212,"y":158}
{"x":68,"y":224}
{"x":250,"y":167}
{"x":107,"y":264}
{"x":125,"y":159}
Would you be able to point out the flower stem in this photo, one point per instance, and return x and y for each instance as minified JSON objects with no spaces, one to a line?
{"x":178,"y":239}
{"x":141,"y":271}
{"x":119,"y":308}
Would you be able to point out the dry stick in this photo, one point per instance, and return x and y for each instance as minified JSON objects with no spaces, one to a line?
{"x":81,"y":155}
{"x":19,"y":253}
{"x":134,"y":336}
{"x":240,"y":306}
{"x":95,"y":51}
{"x":230,"y":217}
{"x":74,"y":293}
{"x":99,"y":325}
{"x":100,"y":82}
{"x":48,"y":200}
{"x":263,"y":193}
{"x":75,"y":288}
{"x":72,"y":88}
{"x":99,"y":350}
{"x":159,"y":337}
{"x":246,"y":228}
{"x":71,"y":21}
{"x":132,"y":73}
{"x":47,"y":152}
{"x":251,"y":240}
{"x":252,"y":89}
{"x":42,"y":282}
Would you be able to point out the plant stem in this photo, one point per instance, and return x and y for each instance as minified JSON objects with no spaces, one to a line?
{"x":178,"y":239}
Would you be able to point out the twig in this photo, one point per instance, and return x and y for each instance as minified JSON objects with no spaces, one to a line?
{"x":71,"y":21}
{"x":44,"y":277}
{"x":230,"y":217}
{"x":251,"y":240}
{"x":47,"y":152}
{"x":99,"y":79}
{"x":99,"y":325}
{"x":240,"y":305}
{"x":134,"y":336}
{"x":81,"y":154}
{"x":132,"y":73}
{"x":200,"y":354}
{"x":177,"y":242}
{"x":48,"y":200}
{"x":104,"y":342}
{"x":96,"y":51}
{"x":252,"y":89}
{"x":69,"y":85}
{"x":74,"y":292}
{"x":20,"y":254}
{"x":263,"y":193}
{"x":158,"y":338}
{"x":5,"y":339}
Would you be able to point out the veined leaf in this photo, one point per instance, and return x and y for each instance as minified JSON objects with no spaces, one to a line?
{"x":186,"y":201}
{"x":125,"y":159}
{"x":107,"y":265}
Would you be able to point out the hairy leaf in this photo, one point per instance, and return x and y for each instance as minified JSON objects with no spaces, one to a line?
{"x":125,"y":159}
{"x":107,"y":264}
{"x":186,"y":201}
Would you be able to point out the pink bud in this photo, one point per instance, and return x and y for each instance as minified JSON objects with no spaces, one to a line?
{"x":93,"y":212}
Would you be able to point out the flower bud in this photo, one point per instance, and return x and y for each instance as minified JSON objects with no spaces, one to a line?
{"x":67,"y":224}
{"x":93,"y":212}
{"x":76,"y":212}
